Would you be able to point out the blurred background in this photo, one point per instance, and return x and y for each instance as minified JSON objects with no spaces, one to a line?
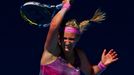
{"x":21,"y":44}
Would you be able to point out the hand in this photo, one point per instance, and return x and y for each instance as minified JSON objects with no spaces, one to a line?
{"x":65,"y":1}
{"x":108,"y":58}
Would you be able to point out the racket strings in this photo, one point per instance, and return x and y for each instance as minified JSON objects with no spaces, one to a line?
{"x":39,"y":14}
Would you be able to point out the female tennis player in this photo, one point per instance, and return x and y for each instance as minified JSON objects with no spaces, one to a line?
{"x":61,"y":57}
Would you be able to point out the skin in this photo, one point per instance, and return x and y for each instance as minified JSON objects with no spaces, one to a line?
{"x":52,"y":50}
{"x":107,"y":58}
{"x":70,"y":39}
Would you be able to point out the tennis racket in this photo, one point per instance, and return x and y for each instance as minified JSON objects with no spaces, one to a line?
{"x":38,"y":14}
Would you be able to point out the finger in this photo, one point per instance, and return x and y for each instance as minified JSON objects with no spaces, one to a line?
{"x":114,"y":56}
{"x":115,"y":59}
{"x":111,"y":50}
{"x":113,"y":53}
{"x":104,"y":52}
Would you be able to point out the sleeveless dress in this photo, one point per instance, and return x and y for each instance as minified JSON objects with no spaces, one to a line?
{"x":58,"y":67}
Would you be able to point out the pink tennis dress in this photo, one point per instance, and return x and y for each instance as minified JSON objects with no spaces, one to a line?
{"x":58,"y":67}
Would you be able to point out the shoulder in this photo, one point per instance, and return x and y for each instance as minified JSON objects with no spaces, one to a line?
{"x":79,"y":51}
{"x":85,"y":65}
{"x":81,"y":55}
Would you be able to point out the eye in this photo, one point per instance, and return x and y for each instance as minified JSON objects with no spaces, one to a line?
{"x":71,"y":38}
{"x":65,"y":38}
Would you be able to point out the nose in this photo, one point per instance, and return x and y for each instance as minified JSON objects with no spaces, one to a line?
{"x":67,"y":42}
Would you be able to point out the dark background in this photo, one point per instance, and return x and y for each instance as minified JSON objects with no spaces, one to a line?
{"x":21,"y":44}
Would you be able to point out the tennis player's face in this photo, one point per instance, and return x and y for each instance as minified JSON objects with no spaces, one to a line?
{"x":70,"y":39}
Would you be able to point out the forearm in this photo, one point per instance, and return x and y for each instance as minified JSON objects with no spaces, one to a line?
{"x":98,"y":69}
{"x":55,"y":23}
{"x":52,"y":37}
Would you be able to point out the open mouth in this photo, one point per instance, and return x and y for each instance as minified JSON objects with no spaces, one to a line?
{"x":66,"y":48}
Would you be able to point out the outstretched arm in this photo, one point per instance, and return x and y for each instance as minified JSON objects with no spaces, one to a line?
{"x":52,"y":37}
{"x":106,"y":59}
{"x":51,"y":44}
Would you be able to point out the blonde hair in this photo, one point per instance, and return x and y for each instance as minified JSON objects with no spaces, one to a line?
{"x":98,"y":17}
